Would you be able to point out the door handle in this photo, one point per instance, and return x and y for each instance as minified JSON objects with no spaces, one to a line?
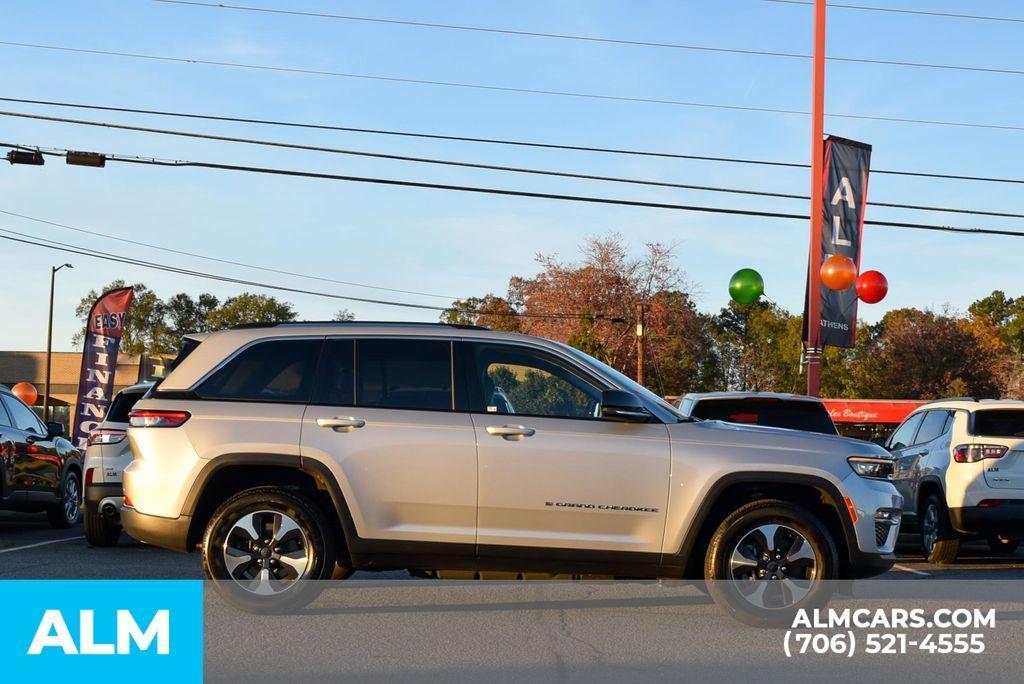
{"x":919,"y":453}
{"x":341,"y":424}
{"x":510,"y":432}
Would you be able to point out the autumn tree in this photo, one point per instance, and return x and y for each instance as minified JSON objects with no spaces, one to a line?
{"x":489,"y":311}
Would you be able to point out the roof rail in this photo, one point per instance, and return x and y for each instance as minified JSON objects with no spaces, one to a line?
{"x":248,"y":326}
{"x":935,"y":401}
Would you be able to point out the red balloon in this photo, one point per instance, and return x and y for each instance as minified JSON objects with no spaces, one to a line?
{"x":838,"y":272}
{"x":26,"y":391}
{"x":872,"y":287}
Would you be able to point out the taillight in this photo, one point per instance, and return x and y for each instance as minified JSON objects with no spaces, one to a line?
{"x":89,"y":475}
{"x":157,"y":419}
{"x":972,"y":453}
{"x":106,"y":436}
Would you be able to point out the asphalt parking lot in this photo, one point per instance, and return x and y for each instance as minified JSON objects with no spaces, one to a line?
{"x":31,"y":549}
{"x":384,"y":628}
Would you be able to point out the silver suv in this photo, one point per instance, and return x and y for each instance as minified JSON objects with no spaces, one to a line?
{"x":298,"y":451}
{"x":960,"y":468}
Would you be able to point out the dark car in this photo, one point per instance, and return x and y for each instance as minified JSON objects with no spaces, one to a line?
{"x":793,"y":411}
{"x":40,"y":470}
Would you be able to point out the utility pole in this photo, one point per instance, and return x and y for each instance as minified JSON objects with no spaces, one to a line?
{"x":640,"y":343}
{"x":49,"y":342}
{"x":817,"y":215}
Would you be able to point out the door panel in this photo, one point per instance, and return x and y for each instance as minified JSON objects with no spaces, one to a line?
{"x":36,"y":462}
{"x":580,"y":484}
{"x":405,"y":474}
{"x":553,"y":474}
{"x":383,"y":420}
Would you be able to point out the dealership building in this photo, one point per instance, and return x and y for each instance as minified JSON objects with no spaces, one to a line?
{"x":29,"y":366}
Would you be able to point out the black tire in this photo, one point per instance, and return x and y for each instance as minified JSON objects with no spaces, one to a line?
{"x":736,"y":587}
{"x":311,"y":544}
{"x":1003,"y":547}
{"x":100,"y":531}
{"x":68,"y":512}
{"x":940,"y":544}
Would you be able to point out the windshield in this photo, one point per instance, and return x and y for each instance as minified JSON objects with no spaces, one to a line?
{"x":656,"y":404}
{"x":809,"y":416}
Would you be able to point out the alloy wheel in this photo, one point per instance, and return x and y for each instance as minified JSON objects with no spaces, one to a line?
{"x":773,"y":566}
{"x":266,"y":552}
{"x":72,"y":499}
{"x":930,"y":528}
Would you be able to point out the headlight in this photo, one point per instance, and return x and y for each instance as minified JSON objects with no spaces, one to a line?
{"x":871,"y":467}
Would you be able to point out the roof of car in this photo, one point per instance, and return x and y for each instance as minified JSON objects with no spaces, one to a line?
{"x":969,"y":404}
{"x":702,"y":396}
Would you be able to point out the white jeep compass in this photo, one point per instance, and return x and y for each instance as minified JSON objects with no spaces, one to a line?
{"x":306,"y":451}
{"x":960,"y":468}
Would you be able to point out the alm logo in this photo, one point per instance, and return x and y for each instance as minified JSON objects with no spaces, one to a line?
{"x":53,"y":633}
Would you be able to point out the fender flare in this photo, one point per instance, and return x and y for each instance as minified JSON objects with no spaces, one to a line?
{"x":830,"y":491}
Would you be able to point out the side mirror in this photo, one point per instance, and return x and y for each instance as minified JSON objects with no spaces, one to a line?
{"x":623,"y":406}
{"x":54,"y":430}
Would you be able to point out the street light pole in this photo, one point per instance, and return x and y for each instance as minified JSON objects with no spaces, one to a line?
{"x":817,"y":215}
{"x":640,"y":343}
{"x":49,"y":342}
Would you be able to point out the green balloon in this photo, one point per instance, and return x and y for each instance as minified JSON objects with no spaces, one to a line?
{"x":746,"y":286}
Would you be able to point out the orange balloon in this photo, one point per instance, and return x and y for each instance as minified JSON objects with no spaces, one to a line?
{"x":26,"y":391}
{"x":838,"y":272}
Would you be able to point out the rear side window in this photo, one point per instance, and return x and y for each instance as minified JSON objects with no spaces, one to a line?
{"x":123,"y":403}
{"x":336,"y":377}
{"x":999,"y":423}
{"x":809,"y":416}
{"x":5,"y":419}
{"x":404,"y":374}
{"x":274,"y":371}
{"x":933,"y":425}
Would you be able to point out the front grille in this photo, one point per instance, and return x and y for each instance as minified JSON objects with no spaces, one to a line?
{"x":882,"y":533}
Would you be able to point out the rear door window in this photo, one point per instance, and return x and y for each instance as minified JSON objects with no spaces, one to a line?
{"x":404,"y":374}
{"x":999,"y":423}
{"x":273,"y":371}
{"x":809,"y":416}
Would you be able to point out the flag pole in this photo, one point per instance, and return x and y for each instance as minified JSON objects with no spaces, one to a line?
{"x":817,"y":213}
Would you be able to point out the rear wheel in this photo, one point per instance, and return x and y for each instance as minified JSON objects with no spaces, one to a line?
{"x":68,"y":512}
{"x":1002,"y":545}
{"x":939,"y":542}
{"x":769,"y":559}
{"x":267,"y":547}
{"x":100,"y":531}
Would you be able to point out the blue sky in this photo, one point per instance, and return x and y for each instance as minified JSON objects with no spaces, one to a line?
{"x":461,"y":244}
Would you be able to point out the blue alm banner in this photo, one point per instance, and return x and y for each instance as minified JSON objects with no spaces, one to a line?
{"x":102,"y":630}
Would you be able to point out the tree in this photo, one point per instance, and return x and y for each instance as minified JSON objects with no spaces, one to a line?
{"x":144,"y":328}
{"x":1005,"y":313}
{"x":489,"y":311}
{"x":185,"y":314}
{"x":344,"y":315}
{"x":250,"y":308}
{"x":913,"y":354}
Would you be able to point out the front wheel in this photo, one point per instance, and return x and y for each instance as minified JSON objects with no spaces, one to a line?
{"x":268,"y":547}
{"x":69,"y":510}
{"x":939,"y":542}
{"x":769,"y":559}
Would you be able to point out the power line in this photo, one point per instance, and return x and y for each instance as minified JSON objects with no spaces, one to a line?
{"x":490,"y":141}
{"x":509,"y":89}
{"x":490,"y":167}
{"x":585,"y":38}
{"x":503,"y":191}
{"x":25,"y":238}
{"x":171,"y":250}
{"x":868,"y":8}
